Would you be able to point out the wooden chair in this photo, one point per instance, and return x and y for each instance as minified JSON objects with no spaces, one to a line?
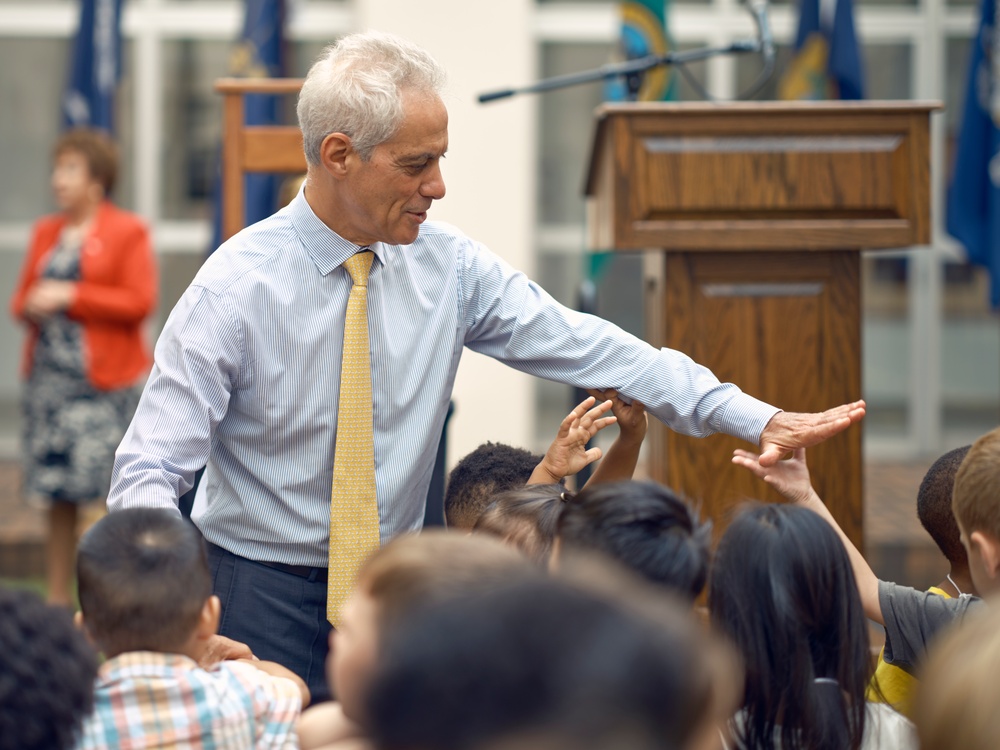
{"x":253,"y":148}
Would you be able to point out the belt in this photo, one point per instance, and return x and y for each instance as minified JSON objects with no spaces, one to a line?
{"x":302,"y":571}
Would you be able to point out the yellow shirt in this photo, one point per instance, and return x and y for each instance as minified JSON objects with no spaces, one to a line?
{"x":896,"y":684}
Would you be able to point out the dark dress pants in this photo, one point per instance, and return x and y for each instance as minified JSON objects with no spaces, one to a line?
{"x":281,"y":616}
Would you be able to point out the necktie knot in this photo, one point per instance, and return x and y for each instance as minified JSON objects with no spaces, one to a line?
{"x":358,"y":265}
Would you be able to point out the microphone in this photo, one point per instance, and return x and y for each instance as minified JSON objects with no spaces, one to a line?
{"x":759,"y":9}
{"x":494,"y":95}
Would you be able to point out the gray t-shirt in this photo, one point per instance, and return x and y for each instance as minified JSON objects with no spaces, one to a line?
{"x":914,"y":618}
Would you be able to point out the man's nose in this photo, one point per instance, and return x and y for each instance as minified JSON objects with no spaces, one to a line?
{"x":433,"y":186}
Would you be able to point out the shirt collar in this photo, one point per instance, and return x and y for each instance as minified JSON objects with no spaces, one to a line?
{"x":327,"y":249}
{"x":144,"y":663}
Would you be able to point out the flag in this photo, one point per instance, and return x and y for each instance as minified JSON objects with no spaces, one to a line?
{"x":973,"y":203}
{"x":644,"y":32}
{"x":259,"y":53}
{"x":827,"y":62}
{"x":95,"y":67}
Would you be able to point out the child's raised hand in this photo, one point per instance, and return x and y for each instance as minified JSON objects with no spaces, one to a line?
{"x":631,"y":418}
{"x":789,"y":477}
{"x":568,"y":452}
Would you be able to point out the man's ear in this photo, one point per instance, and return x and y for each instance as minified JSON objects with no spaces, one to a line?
{"x":208,"y":620}
{"x":335,"y":154}
{"x":989,"y":551}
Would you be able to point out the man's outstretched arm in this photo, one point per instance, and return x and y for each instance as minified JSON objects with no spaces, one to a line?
{"x":512,"y":319}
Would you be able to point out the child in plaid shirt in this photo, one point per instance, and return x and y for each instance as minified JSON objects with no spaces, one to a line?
{"x":146,"y":600}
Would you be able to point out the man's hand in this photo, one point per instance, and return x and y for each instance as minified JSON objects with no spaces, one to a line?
{"x":632,"y":420}
{"x":788,"y":430}
{"x":219,"y":648}
{"x":48,"y":297}
{"x":789,"y":477}
{"x":568,"y":452}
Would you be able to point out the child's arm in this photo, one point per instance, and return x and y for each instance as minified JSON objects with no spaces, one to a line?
{"x":568,"y":452}
{"x":325,"y":724}
{"x":791,"y":479}
{"x":623,"y":455}
{"x":276,"y":670}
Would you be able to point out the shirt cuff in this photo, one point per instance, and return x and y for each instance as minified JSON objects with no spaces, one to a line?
{"x":746,"y":417}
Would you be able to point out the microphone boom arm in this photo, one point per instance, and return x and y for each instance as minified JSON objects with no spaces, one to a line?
{"x":627,"y":68}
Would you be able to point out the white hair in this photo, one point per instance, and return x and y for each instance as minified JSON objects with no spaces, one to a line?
{"x":355,"y":88}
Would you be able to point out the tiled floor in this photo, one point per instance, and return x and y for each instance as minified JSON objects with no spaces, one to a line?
{"x":897,"y":546}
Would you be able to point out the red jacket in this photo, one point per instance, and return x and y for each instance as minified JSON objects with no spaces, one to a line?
{"x":116,"y":292}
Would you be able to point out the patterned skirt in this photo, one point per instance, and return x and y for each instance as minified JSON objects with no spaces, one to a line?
{"x":71,"y":432}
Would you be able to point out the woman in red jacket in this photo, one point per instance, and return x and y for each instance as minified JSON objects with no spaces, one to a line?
{"x":88,"y":283}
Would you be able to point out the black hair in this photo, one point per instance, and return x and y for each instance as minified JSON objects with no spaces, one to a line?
{"x":47,"y":672}
{"x":783,"y":590}
{"x":490,"y":469}
{"x":143,"y":580}
{"x":539,"y":659}
{"x":644,"y":526}
{"x":934,"y":506}
{"x":527,"y":518}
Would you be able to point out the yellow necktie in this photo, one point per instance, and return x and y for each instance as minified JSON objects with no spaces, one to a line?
{"x":354,"y":526}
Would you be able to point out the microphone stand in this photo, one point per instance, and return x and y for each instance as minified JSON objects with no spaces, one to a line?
{"x":631,"y":70}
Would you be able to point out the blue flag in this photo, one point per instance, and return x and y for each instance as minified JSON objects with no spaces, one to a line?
{"x":95,"y":67}
{"x":827,"y":62}
{"x":260,"y":53}
{"x":973,"y":213}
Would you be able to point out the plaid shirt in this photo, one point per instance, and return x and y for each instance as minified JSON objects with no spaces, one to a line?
{"x":145,"y":700}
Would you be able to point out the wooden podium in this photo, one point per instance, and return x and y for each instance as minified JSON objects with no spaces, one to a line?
{"x":753,"y":216}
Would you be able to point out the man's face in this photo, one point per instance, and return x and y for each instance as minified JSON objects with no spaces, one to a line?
{"x":387,"y":197}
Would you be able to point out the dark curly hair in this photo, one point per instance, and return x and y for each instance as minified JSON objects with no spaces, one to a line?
{"x":490,"y":469}
{"x":934,"y":506}
{"x":47,"y":672}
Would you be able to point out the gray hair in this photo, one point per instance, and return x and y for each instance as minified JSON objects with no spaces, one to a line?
{"x":355,"y":88}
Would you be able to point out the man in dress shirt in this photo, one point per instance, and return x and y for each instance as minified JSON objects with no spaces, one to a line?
{"x":247,"y":367}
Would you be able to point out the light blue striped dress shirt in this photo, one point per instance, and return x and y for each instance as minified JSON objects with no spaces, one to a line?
{"x":247,"y":373}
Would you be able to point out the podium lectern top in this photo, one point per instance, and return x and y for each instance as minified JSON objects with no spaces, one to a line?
{"x":760,"y":175}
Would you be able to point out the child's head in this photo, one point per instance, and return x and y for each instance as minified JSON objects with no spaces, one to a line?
{"x":934,"y":507}
{"x":956,"y":701}
{"x":409,"y":573}
{"x":526,"y":519}
{"x":47,"y":672}
{"x":645,"y":527}
{"x":544,"y":664}
{"x":144,"y":582}
{"x":976,"y":505}
{"x":490,"y":469}
{"x":782,"y":589}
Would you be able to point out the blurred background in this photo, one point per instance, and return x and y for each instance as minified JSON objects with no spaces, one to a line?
{"x":515,"y":171}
